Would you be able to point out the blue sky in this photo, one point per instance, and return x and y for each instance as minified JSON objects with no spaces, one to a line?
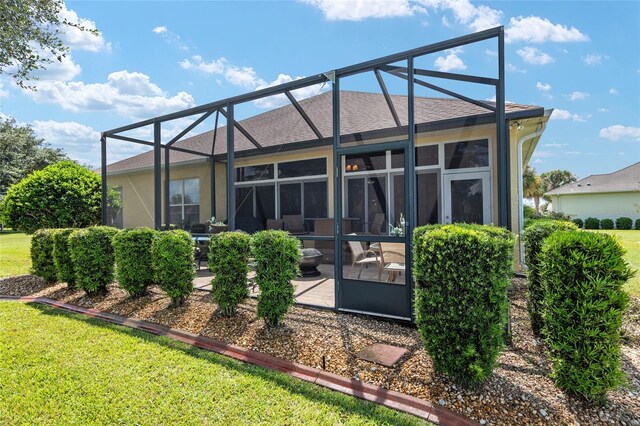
{"x":580,"y":58}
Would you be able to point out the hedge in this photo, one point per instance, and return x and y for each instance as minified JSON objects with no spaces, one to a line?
{"x":277,"y":255}
{"x":42,"y":264}
{"x":172,"y":254}
{"x":533,"y":238}
{"x":578,"y":222}
{"x":591,"y":223}
{"x":134,"y":268}
{"x":461,"y":275}
{"x":92,"y":256}
{"x":62,"y":256}
{"x":624,"y":223}
{"x":606,"y":224}
{"x":228,"y":260}
{"x":583,"y":275}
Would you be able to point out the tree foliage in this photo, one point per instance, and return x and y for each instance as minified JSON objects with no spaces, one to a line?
{"x":532,"y":186}
{"x":62,"y":195}
{"x":21,"y":153}
{"x":30,"y":37}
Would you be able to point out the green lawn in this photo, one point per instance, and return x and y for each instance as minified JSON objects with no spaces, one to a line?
{"x":62,"y":368}
{"x":14,"y":253}
{"x":630,"y":240}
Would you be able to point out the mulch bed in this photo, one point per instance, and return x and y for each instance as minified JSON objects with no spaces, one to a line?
{"x":520,"y":390}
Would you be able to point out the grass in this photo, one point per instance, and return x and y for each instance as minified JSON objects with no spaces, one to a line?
{"x":630,"y":240}
{"x":14,"y":254}
{"x":63,"y":368}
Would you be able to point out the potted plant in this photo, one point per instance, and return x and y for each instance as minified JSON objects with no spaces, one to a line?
{"x":216,"y":226}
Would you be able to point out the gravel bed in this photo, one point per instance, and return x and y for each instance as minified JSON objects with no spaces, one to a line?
{"x":520,"y":390}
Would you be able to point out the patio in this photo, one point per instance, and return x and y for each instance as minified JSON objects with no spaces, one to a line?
{"x":314,"y":291}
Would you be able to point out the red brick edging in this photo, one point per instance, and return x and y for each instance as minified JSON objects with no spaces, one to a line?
{"x":376,"y":394}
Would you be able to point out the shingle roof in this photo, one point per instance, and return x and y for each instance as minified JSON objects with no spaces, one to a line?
{"x":360,"y":112}
{"x":624,"y":180}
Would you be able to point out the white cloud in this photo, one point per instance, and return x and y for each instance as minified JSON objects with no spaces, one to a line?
{"x":613,"y":91}
{"x":603,"y":110}
{"x":594,"y":59}
{"x":130,"y":94}
{"x":532,"y":55}
{"x":80,"y":40}
{"x":3,"y":93}
{"x":216,"y":66}
{"x":513,"y":68}
{"x":445,"y":22}
{"x":619,"y":131}
{"x":578,"y":96}
{"x":490,"y":52}
{"x":543,"y":87}
{"x":171,"y":38}
{"x":477,"y":18}
{"x":539,"y":161}
{"x":357,"y":10}
{"x":554,"y":145}
{"x":247,"y":78}
{"x":563,"y":114}
{"x":79,"y":141}
{"x":534,"y":29}
{"x":450,"y":62}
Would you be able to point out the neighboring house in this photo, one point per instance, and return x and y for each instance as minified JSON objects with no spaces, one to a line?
{"x":606,"y":196}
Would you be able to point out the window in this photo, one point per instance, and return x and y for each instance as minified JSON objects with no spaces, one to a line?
{"x":184,"y":202}
{"x":469,"y":154}
{"x":251,"y":173}
{"x":313,"y":167}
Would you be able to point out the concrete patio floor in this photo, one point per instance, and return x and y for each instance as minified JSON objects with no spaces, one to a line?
{"x":315,"y":291}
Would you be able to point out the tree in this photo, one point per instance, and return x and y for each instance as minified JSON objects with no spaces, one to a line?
{"x":30,"y":33}
{"x":556,"y":178}
{"x":62,"y":195}
{"x":22,"y":153}
{"x":533,"y":186}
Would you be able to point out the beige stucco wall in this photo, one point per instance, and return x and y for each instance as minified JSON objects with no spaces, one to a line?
{"x":602,"y":206}
{"x":137,"y":187}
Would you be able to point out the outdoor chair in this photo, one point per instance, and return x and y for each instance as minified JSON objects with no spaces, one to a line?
{"x":363,"y":257}
{"x":276,"y":224}
{"x":392,"y":259}
{"x":293,"y":223}
{"x":198,"y":228}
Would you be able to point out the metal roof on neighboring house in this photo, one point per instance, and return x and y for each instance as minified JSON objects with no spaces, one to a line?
{"x":624,"y":180}
{"x":362,"y":115}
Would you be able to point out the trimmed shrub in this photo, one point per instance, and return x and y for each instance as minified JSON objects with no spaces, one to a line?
{"x":277,"y":255}
{"x":134,"y":269}
{"x":637,"y":224}
{"x":172,"y":258}
{"x":461,"y":274}
{"x":533,"y":238}
{"x":591,"y":223}
{"x":624,"y":223}
{"x":228,"y":260}
{"x":583,"y":275}
{"x":92,"y":256}
{"x":42,"y":264}
{"x":606,"y":224}
{"x":61,"y":195}
{"x":62,"y":256}
{"x":578,"y":222}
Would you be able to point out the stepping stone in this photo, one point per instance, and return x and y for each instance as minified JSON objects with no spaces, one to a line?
{"x":382,"y":354}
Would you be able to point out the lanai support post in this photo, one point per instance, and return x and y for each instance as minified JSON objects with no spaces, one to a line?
{"x":167,"y":186}
{"x":231,"y":193}
{"x":157,"y":179}
{"x":103,"y":173}
{"x":503,"y":149}
{"x":410,"y":183}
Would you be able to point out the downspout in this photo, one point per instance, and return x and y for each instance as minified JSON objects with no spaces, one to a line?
{"x":521,"y":142}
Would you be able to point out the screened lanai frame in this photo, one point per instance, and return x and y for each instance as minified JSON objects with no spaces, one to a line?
{"x":225,"y":108}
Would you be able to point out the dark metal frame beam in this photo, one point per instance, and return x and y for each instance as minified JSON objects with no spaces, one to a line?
{"x":240,"y":128}
{"x":189,"y":128}
{"x":387,"y":98}
{"x":304,"y":115}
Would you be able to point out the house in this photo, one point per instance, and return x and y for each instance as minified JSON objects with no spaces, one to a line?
{"x":333,"y":162}
{"x":605,"y":196}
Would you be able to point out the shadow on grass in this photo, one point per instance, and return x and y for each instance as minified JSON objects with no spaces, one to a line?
{"x":345,"y":403}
